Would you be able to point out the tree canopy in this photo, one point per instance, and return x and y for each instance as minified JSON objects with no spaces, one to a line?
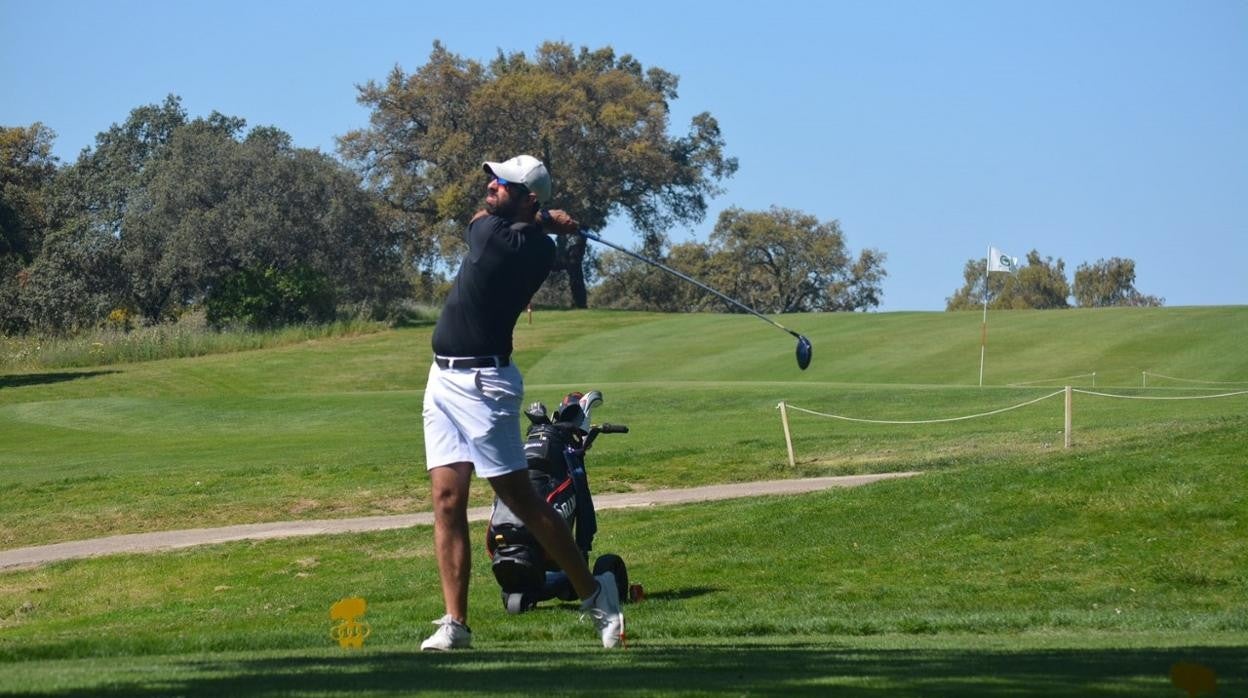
{"x":599,"y":121}
{"x":1110,"y":282}
{"x":1041,"y":284}
{"x":27,"y":169}
{"x":165,"y":212}
{"x":775,"y":261}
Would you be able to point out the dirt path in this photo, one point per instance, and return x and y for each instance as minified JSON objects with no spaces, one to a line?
{"x":170,"y":540}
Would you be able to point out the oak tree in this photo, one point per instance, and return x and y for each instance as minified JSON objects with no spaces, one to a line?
{"x":597,"y":119}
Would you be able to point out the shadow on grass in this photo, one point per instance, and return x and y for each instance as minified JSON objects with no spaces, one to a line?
{"x":797,"y":670}
{"x":682,"y":594}
{"x":18,"y":380}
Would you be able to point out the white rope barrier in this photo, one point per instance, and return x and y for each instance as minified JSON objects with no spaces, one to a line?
{"x":1159,"y":397}
{"x":919,"y":421}
{"x":1068,"y":429}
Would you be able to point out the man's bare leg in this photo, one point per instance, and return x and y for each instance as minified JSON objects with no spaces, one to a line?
{"x":450,"y":535}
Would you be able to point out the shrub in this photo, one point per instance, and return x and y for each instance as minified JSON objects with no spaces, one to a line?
{"x":271,"y":297}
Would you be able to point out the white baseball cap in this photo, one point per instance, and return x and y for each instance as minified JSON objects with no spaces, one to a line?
{"x":526,"y":170}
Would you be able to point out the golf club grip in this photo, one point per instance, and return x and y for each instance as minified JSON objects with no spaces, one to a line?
{"x":613,"y":429}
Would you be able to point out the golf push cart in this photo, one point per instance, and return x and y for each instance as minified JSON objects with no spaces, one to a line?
{"x":555,"y":449}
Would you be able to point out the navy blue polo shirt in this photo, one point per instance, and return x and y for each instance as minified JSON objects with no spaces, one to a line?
{"x":505,"y":266}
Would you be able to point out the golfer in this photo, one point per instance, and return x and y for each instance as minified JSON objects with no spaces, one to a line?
{"x":472,"y":399}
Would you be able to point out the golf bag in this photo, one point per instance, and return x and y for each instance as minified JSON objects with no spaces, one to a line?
{"x":554,"y":449}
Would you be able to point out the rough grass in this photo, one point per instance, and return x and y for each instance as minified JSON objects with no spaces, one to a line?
{"x":188,"y":338}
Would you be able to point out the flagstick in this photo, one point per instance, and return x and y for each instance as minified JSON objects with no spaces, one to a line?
{"x":983,"y":327}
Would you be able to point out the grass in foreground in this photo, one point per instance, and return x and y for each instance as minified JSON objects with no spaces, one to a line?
{"x":1080,"y":574}
{"x":795,"y":666}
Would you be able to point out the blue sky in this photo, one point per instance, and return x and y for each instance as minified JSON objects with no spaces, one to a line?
{"x":930,"y":130}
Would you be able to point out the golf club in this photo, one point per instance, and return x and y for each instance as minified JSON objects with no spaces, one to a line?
{"x":804,"y":347}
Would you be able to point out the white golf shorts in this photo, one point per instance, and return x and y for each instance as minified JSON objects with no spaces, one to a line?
{"x":473,"y":415}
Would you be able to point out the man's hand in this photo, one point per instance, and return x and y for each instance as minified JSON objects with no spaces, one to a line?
{"x":558,"y":222}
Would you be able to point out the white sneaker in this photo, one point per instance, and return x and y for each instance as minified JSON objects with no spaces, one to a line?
{"x":604,"y":607}
{"x":450,"y":635}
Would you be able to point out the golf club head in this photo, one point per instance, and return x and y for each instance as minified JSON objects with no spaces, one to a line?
{"x":537,"y":413}
{"x":804,"y":350}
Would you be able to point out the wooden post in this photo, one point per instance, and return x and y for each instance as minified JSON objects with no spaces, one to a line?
{"x":1069,"y":405}
{"x":788,"y":437}
{"x":530,"y":313}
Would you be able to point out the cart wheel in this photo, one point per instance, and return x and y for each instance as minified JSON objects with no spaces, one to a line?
{"x":514,"y":603}
{"x":615,"y":565}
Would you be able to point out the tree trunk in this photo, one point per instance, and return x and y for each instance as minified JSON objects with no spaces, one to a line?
{"x":576,"y":274}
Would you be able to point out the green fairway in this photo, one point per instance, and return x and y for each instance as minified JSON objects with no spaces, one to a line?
{"x":1012,"y":566}
{"x":331,"y":428}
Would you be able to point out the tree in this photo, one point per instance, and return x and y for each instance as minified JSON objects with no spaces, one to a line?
{"x":271,"y":298}
{"x":629,"y":284}
{"x":1110,"y":282}
{"x":1040,"y":284}
{"x":217,"y":205}
{"x":556,"y":292}
{"x":27,"y":169}
{"x":598,"y":121}
{"x":786,"y":261}
{"x":74,"y":282}
{"x":776,"y":261}
{"x":863,"y":286}
{"x":975,"y":286}
{"x":167,"y":211}
{"x":101,"y":183}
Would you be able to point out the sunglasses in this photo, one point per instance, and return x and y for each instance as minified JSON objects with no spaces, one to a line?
{"x":514,"y":186}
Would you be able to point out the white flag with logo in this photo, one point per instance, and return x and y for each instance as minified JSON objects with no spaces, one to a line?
{"x":1000,"y":261}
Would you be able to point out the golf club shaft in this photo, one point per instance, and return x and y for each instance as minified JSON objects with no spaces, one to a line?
{"x":590,"y":236}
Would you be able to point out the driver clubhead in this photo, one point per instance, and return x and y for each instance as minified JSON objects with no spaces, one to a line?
{"x":588,"y":402}
{"x":804,"y":350}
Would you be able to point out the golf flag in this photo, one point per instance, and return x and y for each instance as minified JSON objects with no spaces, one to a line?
{"x":1000,"y":261}
{"x":997,"y":261}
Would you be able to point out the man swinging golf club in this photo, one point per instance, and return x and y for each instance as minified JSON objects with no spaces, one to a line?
{"x":472,"y":399}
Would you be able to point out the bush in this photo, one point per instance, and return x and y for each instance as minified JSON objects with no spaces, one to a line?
{"x":411,"y":313}
{"x":270,"y":297}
